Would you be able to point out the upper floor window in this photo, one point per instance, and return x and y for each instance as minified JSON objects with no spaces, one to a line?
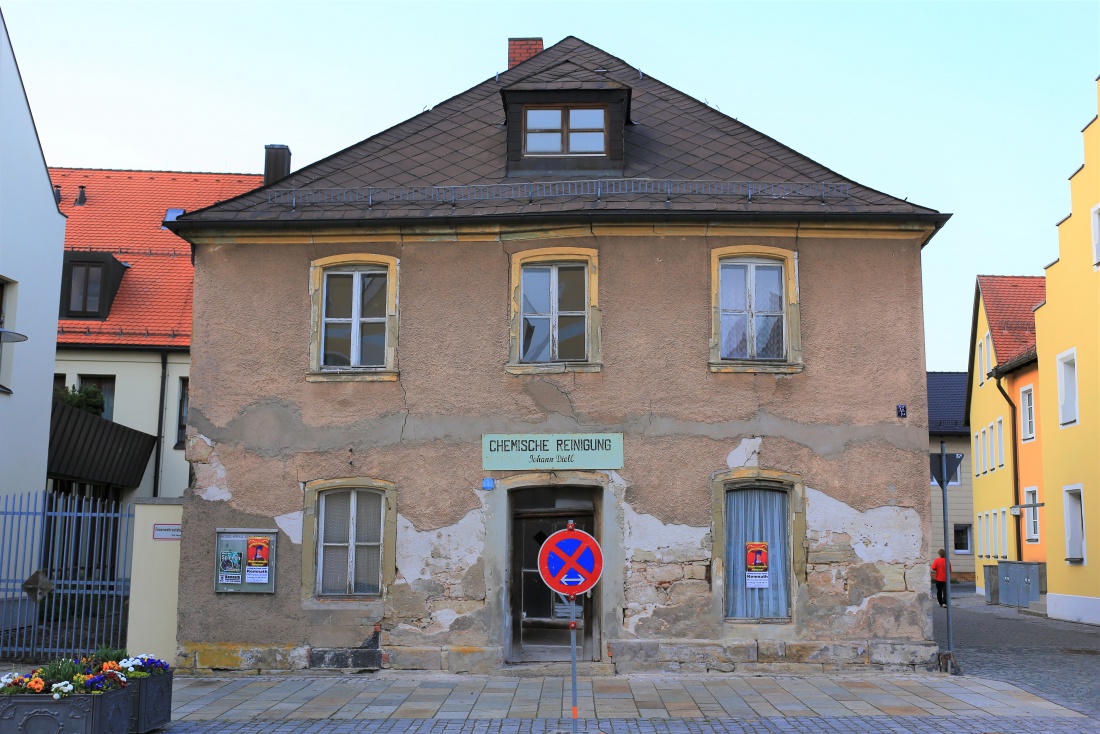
{"x":755,"y":322}
{"x":1067,"y":388}
{"x":354,"y":318}
{"x":1027,"y":413}
{"x":1096,"y":234}
{"x":565,"y":131}
{"x":85,"y":284}
{"x":181,"y":414}
{"x":981,"y":363}
{"x":752,"y":309}
{"x":555,"y":311}
{"x":989,"y":361}
{"x":106,"y":386}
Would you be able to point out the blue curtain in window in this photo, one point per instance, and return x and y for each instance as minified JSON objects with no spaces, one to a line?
{"x":757,"y":515}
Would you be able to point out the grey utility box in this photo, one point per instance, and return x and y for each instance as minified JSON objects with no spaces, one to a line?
{"x":1021,"y":582}
{"x":992,"y":588}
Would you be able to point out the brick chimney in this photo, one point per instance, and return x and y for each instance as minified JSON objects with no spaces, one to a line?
{"x":521,"y":49}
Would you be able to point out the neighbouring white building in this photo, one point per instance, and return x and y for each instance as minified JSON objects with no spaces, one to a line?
{"x":32,"y":233}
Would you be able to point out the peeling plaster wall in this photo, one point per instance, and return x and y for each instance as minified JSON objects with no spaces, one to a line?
{"x":259,"y":431}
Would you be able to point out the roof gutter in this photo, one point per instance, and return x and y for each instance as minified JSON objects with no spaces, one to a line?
{"x":183,"y":226}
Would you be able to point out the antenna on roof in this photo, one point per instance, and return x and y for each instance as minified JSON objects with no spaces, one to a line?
{"x":498,"y":76}
{"x":640,"y":74}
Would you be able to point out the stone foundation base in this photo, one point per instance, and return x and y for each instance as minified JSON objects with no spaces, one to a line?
{"x":768,"y":656}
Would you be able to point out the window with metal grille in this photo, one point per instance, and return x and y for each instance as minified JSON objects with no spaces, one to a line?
{"x":565,"y":131}
{"x":554,"y":313}
{"x":354,"y":320}
{"x":349,"y":558}
{"x":752,"y":311}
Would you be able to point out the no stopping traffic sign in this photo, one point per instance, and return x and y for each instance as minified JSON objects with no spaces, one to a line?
{"x":570,"y":561}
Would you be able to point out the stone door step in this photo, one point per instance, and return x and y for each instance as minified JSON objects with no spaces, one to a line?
{"x":557,"y":670}
{"x":1034,"y":609}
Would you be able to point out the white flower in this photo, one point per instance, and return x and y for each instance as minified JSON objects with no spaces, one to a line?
{"x":56,"y":696}
{"x":7,"y":678}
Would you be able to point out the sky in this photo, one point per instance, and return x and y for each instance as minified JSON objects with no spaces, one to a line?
{"x":972,"y":108}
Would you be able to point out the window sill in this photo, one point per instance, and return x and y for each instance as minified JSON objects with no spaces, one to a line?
{"x":1075,"y":560}
{"x":552,"y":369}
{"x":351,"y":603}
{"x":963,"y":553}
{"x":778,"y":368}
{"x":1031,"y":540}
{"x":353,"y":376}
{"x":758,"y":620}
{"x":180,"y":445}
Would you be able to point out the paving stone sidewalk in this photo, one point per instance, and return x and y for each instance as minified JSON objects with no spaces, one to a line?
{"x":426,"y":703}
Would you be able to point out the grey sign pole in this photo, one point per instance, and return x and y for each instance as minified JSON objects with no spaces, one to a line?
{"x":943,"y":482}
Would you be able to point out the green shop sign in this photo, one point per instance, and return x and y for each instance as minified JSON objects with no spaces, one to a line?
{"x":510,"y":451}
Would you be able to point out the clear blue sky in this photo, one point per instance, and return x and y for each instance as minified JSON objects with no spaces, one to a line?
{"x":973,"y":108}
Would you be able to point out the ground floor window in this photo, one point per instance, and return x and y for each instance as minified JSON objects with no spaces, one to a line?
{"x":350,"y":548}
{"x":757,"y":553}
{"x":1075,"y":525}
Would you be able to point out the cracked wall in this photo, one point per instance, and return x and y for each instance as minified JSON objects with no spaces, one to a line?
{"x":259,"y":431}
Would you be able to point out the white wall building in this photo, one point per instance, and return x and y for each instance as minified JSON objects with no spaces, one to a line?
{"x":32,"y":233}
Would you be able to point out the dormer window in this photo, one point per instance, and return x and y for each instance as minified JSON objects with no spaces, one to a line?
{"x":565,"y":131}
{"x":87,"y":279}
{"x":89,"y":282}
{"x":559,"y":127}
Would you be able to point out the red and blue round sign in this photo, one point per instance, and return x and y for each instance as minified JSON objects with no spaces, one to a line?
{"x":570,"y":561}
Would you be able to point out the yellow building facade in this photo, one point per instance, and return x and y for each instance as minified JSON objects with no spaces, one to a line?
{"x":1006,"y":462}
{"x":1068,"y":328}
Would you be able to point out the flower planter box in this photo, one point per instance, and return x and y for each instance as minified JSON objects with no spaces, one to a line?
{"x":150,"y":702}
{"x":103,"y":713}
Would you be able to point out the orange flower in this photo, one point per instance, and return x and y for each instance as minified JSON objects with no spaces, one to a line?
{"x":111,"y":665}
{"x":36,"y":684}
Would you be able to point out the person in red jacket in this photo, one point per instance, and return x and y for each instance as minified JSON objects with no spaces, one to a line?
{"x":939,"y":575}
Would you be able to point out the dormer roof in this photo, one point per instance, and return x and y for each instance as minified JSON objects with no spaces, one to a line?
{"x":682,"y":158}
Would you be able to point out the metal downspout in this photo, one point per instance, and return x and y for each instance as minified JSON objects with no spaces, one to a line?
{"x":160,"y":422}
{"x":1015,"y":470}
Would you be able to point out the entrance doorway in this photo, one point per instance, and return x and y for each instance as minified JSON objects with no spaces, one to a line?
{"x":540,"y":617}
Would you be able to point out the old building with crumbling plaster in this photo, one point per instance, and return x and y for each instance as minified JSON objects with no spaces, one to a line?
{"x":570,"y":292}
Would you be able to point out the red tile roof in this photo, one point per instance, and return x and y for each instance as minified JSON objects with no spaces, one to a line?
{"x":1009,"y":303}
{"x":122,"y":216}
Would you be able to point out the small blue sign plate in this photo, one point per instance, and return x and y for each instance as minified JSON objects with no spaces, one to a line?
{"x":511,"y":451}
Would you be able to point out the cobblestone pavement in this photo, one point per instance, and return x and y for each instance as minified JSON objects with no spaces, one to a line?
{"x":1059,"y":661}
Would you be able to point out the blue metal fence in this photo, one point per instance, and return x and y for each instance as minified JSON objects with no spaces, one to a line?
{"x":64,"y":574}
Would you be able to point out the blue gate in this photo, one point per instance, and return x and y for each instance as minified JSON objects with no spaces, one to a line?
{"x":64,"y":574}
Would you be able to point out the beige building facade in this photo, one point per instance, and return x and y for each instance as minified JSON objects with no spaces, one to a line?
{"x":722,"y":357}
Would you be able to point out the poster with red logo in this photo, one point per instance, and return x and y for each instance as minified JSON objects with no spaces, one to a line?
{"x":256,"y":560}
{"x":756,"y":565}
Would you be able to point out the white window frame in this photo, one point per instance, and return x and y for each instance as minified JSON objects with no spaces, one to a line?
{"x":986,"y":461}
{"x":977,"y":454}
{"x":564,"y":129}
{"x":991,"y":456}
{"x":1074,"y":503}
{"x":996,"y":535}
{"x":988,"y":353}
{"x":1004,"y":532}
{"x":1062,"y":360}
{"x":1095,"y":220}
{"x":352,"y":543}
{"x":357,"y":272}
{"x":1027,"y":413}
{"x":1031,"y":515}
{"x":751,"y":311}
{"x":555,"y":313}
{"x":1000,"y":442}
{"x":981,"y":362}
{"x":981,"y":534}
{"x":969,"y":539}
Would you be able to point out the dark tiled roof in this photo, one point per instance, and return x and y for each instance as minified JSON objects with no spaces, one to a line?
{"x":462,"y":142}
{"x":1010,"y":301}
{"x":947,"y":403}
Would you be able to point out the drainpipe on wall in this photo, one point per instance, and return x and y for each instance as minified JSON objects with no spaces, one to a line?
{"x":1015,"y":468}
{"x":160,"y":422}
